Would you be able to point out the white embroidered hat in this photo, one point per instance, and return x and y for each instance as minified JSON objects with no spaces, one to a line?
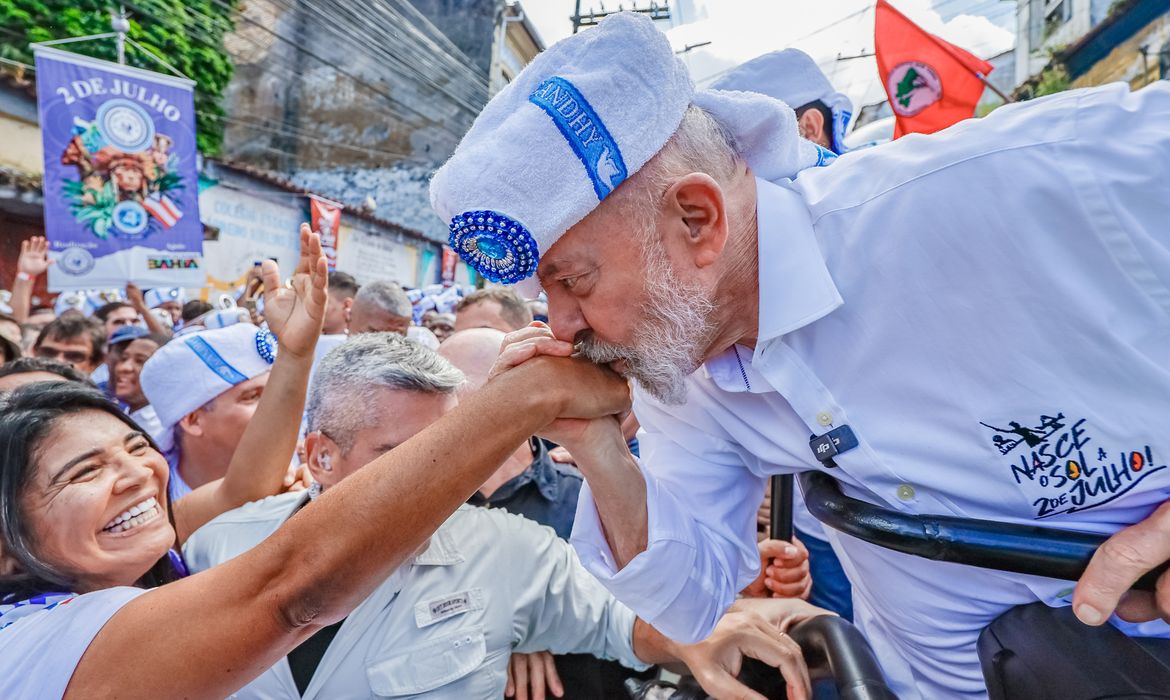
{"x":575,"y":123}
{"x":792,"y":77}
{"x":158,"y":296}
{"x":193,"y":369}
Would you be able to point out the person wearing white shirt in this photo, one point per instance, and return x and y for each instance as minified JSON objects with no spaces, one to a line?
{"x":822,"y":116}
{"x":981,"y":316}
{"x":487,"y":584}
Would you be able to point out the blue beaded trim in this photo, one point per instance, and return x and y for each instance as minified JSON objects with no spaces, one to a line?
{"x":266,"y":345}
{"x":496,"y":246}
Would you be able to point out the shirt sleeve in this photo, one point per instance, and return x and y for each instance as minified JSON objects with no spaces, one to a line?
{"x":40,"y":652}
{"x":692,"y":568}
{"x":1119,"y":163}
{"x":559,"y":607}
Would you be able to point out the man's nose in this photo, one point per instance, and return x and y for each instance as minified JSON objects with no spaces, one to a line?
{"x":565,"y":319}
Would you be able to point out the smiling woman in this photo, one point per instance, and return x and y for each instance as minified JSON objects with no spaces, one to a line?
{"x":73,"y":467}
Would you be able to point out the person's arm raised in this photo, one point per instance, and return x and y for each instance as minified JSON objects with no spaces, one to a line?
{"x":138,"y":301}
{"x":259,"y":464}
{"x":223,"y":627}
{"x":598,"y":447}
{"x":32,"y":263}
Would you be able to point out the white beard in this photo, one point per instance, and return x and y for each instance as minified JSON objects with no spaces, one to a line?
{"x":673,"y":334}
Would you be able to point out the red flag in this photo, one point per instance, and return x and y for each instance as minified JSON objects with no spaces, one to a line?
{"x":931,"y":83}
{"x":325,"y":218}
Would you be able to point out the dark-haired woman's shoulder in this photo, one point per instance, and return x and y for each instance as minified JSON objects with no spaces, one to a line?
{"x":43,"y":639}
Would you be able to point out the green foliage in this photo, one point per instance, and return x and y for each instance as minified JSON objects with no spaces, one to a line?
{"x":188,"y":34}
{"x":1054,"y":78}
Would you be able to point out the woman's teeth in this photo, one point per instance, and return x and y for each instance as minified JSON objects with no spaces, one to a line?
{"x":137,"y":515}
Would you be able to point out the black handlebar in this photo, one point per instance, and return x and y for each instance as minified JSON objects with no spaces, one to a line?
{"x":835,"y":649}
{"x":1022,"y":549}
{"x":780,"y":521}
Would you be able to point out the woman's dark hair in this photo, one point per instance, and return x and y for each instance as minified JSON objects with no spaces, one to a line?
{"x":43,"y":364}
{"x":27,"y":415}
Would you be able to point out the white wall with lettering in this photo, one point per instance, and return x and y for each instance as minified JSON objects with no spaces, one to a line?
{"x":251,"y":227}
{"x":369,"y":257}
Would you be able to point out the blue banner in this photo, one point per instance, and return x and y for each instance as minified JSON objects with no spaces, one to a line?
{"x":121,"y":186}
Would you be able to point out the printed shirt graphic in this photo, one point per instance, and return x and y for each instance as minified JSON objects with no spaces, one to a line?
{"x":1063,"y":468}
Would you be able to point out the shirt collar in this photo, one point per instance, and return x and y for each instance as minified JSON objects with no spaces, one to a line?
{"x":794,"y":282}
{"x":795,"y":286}
{"x":542,"y":472}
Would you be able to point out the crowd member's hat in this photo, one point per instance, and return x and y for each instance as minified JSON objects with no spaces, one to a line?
{"x":160,"y":295}
{"x":74,"y":300}
{"x":193,"y":369}
{"x":578,"y":121}
{"x":125,"y":334}
{"x":792,"y":77}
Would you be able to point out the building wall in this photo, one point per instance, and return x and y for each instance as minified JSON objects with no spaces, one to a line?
{"x":357,"y":85}
{"x":1125,"y":62}
{"x":1036,"y":39}
{"x":20,"y":137}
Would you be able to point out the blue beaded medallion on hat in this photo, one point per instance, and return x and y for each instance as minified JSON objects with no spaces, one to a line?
{"x":266,"y":345}
{"x":496,"y":245}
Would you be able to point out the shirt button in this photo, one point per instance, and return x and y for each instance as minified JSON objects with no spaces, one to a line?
{"x":825,"y":419}
{"x":905,"y":492}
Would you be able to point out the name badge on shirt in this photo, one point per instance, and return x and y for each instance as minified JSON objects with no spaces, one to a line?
{"x":429,"y":612}
{"x":832,"y":443}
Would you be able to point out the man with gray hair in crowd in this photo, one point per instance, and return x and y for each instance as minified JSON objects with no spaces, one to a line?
{"x":383,"y":306}
{"x":486,"y":584}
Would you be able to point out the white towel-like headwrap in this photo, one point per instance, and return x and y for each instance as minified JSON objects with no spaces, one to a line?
{"x":579,"y":120}
{"x":792,"y":77}
{"x":193,"y":369}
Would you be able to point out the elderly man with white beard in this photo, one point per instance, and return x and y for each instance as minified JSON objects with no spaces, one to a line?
{"x":974,"y":323}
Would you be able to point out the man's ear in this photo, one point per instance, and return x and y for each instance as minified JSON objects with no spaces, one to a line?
{"x":695,"y":203}
{"x":812,"y":127}
{"x":322,"y":455}
{"x":192,"y":423}
{"x":347,"y":305}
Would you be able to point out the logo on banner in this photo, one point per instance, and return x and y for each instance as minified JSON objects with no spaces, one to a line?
{"x":125,"y":172}
{"x":75,"y":261}
{"x":915,"y":86}
{"x":325,"y":218}
{"x":165,"y":262}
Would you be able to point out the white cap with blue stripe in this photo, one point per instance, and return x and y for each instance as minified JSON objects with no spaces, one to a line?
{"x":191,"y":370}
{"x":584,"y":116}
{"x":794,"y":78}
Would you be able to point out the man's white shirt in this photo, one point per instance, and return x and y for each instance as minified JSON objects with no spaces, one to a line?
{"x":988,"y":309}
{"x":445,"y":624}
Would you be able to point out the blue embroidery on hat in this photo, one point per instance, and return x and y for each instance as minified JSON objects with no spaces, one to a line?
{"x":840,"y":123}
{"x":266,"y":345}
{"x":584,"y":131}
{"x":214,"y":361}
{"x":824,"y":155}
{"x":495,"y":245}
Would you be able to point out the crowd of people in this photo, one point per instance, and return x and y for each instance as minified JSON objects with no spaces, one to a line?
{"x":320,"y":488}
{"x":159,"y":457}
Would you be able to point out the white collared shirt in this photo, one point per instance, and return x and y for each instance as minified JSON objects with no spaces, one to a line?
{"x":444,"y":625}
{"x":988,"y":309}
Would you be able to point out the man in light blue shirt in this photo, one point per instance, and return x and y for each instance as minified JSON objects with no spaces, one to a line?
{"x":487,"y":584}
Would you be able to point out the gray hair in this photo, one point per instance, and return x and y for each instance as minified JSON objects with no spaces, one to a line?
{"x":347,"y":380}
{"x":385,"y":295}
{"x":700,"y":144}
